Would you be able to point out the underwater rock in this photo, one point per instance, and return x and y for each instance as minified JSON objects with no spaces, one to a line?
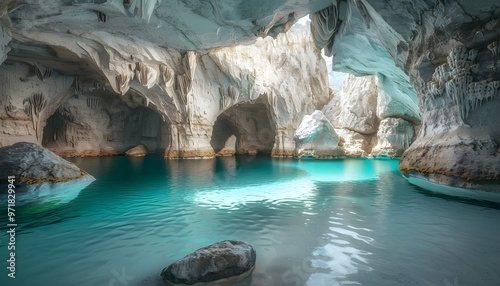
{"x":137,"y":151}
{"x":226,"y":261}
{"x":32,"y":165}
{"x":316,"y":137}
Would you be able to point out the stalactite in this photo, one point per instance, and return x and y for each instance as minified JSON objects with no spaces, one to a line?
{"x":77,"y":85}
{"x":93,"y":102}
{"x":33,"y":106}
{"x":435,"y":88}
{"x":224,"y":98}
{"x":189,"y":64}
{"x":167,"y":75}
{"x":42,"y":72}
{"x":183,"y":85}
{"x":146,"y":75}
{"x":122,"y":81}
{"x":442,"y":73}
{"x":324,"y":24}
{"x":457,"y":59}
{"x":233,"y":93}
{"x":494,"y":48}
{"x":101,"y":17}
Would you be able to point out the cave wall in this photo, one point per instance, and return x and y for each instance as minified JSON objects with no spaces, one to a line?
{"x":401,"y":42}
{"x":189,"y":90}
{"x":100,"y":124}
{"x":253,"y":126}
{"x":29,"y":96}
{"x":366,"y":123}
{"x":433,"y":46}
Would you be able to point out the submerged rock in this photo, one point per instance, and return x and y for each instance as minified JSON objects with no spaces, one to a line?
{"x":227,"y":261}
{"x":137,"y":151}
{"x":32,"y":165}
{"x":316,"y":137}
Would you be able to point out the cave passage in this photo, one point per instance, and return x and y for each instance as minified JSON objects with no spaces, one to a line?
{"x":252,"y":125}
{"x":104,"y":125}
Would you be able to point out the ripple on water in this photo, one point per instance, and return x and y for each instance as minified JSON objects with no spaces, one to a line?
{"x":308,"y":224}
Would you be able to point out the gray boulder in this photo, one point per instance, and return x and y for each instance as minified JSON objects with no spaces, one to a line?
{"x":32,"y":164}
{"x":227,"y":260}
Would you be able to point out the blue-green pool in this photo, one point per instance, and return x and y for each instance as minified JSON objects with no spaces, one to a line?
{"x":329,"y":222}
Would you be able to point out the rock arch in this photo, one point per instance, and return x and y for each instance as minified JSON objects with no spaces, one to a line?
{"x":253,"y":125}
{"x":100,"y":124}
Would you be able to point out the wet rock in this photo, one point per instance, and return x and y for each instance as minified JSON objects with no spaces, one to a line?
{"x":137,"y":151}
{"x":316,"y":137}
{"x":227,"y":261}
{"x":32,"y":165}
{"x":229,"y":147}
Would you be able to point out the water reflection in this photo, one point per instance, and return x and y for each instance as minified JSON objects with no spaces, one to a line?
{"x":51,"y":194}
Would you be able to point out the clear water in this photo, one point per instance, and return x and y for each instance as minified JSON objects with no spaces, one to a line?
{"x":332,"y":222}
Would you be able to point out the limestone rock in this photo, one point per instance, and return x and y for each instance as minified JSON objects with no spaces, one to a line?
{"x":394,"y":136}
{"x":229,"y":148}
{"x":355,"y":106}
{"x":227,"y":260}
{"x":355,"y":144}
{"x":32,"y":164}
{"x":137,"y":151}
{"x":4,"y":40}
{"x":164,"y":99}
{"x":316,"y":137}
{"x":462,"y":158}
{"x":357,"y":118}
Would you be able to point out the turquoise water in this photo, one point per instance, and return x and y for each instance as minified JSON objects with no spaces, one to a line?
{"x":331,"y":222}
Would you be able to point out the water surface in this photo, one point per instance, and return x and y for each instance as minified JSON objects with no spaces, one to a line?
{"x":329,"y":222}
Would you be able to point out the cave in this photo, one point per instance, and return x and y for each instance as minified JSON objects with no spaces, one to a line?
{"x":250,"y":123}
{"x":97,"y":125}
{"x":94,"y":78}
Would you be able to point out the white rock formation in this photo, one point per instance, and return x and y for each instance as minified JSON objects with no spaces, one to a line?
{"x":137,"y":151}
{"x":315,"y":137}
{"x":229,"y":148}
{"x":394,"y":136}
{"x":419,"y":41}
{"x":121,"y":45}
{"x":170,"y":100}
{"x":460,"y":130}
{"x":361,"y":122}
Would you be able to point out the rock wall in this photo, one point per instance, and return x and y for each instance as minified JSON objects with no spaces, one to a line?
{"x":365,"y":123}
{"x":121,"y":45}
{"x":100,"y":95}
{"x":30,"y":94}
{"x":448,"y":51}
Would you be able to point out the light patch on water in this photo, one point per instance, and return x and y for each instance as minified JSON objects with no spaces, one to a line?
{"x":298,"y":190}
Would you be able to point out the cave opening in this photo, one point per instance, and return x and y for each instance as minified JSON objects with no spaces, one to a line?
{"x":96,"y":125}
{"x":252,"y":125}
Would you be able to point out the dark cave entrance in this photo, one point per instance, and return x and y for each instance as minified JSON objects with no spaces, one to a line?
{"x":250,"y":123}
{"x":103,"y":125}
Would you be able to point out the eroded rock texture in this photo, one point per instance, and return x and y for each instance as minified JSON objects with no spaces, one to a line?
{"x":221,"y":261}
{"x":449,"y":51}
{"x":366,"y":123}
{"x":33,"y":165}
{"x":166,"y":53}
{"x":104,"y":95}
{"x":315,"y":137}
